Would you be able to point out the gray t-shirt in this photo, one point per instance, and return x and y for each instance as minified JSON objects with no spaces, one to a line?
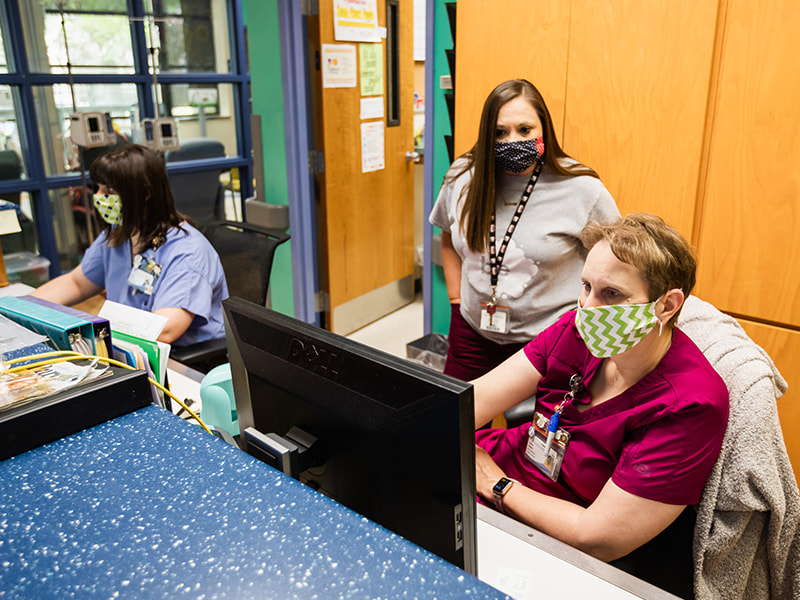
{"x":540,"y":276}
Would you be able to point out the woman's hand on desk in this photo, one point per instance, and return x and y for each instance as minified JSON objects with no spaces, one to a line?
{"x":487,"y":473}
{"x":615,"y":524}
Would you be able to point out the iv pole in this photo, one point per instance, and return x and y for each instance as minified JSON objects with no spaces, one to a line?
{"x":81,"y":166}
{"x":153,"y":55}
{"x":153,"y":51}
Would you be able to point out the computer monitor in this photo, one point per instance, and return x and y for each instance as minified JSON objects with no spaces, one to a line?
{"x":390,"y":439}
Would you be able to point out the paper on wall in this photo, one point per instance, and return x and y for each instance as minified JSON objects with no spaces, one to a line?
{"x":372,"y":152}
{"x":372,"y":108}
{"x":338,"y":65}
{"x":356,"y":21}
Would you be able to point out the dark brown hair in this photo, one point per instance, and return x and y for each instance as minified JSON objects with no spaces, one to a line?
{"x":480,"y":193}
{"x":139,"y":176}
{"x":646,"y":242}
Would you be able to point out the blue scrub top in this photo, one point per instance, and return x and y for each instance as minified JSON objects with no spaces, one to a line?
{"x":191,"y":278}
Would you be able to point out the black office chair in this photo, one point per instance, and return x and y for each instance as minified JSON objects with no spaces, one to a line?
{"x":246,"y":252}
{"x":199,"y":194}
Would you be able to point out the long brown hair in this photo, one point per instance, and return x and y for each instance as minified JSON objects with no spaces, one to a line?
{"x":480,"y":200}
{"x":139,"y":176}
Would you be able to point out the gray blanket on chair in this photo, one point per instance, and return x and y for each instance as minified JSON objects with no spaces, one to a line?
{"x":747,"y":537}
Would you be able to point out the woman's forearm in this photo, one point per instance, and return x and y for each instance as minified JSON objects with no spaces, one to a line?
{"x":451,"y":264}
{"x":178,"y":321}
{"x":67,"y":289}
{"x":615,"y":524}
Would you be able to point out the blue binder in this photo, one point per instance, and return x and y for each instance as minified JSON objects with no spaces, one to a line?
{"x":100,"y":326}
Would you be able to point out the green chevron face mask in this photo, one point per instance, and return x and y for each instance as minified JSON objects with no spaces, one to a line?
{"x":612,"y":329}
{"x":109,"y":207}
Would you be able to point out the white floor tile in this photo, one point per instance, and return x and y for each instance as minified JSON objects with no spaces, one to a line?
{"x":395,"y":330}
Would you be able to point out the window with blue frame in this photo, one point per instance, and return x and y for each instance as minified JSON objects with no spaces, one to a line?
{"x":134,"y":59}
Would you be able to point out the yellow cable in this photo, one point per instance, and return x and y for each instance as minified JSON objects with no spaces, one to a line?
{"x":43,"y":355}
{"x":66,"y":355}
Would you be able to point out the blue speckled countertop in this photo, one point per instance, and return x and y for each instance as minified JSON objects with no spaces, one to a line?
{"x":149,"y":506}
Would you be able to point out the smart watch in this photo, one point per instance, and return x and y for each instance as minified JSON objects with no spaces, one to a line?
{"x":500,"y":489}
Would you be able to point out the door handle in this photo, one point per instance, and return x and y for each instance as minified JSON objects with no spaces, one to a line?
{"x":412,"y":156}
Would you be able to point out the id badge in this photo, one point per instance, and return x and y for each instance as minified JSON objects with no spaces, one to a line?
{"x":144,"y":275}
{"x":496,"y":322}
{"x":550,"y":465}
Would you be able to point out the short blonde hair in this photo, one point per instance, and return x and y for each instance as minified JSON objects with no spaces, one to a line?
{"x":646,"y":242}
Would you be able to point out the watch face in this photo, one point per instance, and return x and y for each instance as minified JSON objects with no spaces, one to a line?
{"x":502,"y":486}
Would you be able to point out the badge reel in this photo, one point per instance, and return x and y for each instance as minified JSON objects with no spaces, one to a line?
{"x":144,"y":274}
{"x":547,"y":443}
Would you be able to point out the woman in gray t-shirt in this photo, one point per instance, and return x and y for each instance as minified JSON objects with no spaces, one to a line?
{"x":518,"y":182}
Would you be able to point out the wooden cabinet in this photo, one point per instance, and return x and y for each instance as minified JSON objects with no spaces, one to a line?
{"x":512,"y":39}
{"x":783,"y":345}
{"x":637,"y":87}
{"x":687,"y":109}
{"x":749,"y":244}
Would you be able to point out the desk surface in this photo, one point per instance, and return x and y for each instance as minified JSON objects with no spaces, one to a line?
{"x":528,"y":565}
{"x":149,"y":506}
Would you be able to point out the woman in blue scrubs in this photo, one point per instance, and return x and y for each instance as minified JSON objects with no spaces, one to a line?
{"x":147,"y":255}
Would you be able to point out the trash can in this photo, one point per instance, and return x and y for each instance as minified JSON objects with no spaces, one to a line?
{"x":429,"y":350}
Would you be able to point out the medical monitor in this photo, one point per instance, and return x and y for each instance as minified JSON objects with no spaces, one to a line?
{"x":389,"y":439}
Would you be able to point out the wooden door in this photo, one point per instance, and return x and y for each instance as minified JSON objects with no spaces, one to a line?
{"x":365,"y":220}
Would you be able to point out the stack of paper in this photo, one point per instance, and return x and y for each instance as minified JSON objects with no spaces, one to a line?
{"x":15,"y":338}
{"x":153,"y":353}
{"x":133,"y":334}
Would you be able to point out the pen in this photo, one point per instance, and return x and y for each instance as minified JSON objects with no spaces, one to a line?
{"x":551,"y":434}
{"x":575,"y":386}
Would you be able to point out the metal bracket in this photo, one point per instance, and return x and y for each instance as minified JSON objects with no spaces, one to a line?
{"x":322,"y":302}
{"x":309,"y":8}
{"x":316,"y":161}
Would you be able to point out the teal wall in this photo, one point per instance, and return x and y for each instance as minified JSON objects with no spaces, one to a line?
{"x":263,"y":38}
{"x":436,"y":155}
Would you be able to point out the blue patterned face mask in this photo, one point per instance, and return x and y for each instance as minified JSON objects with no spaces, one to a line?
{"x":109,"y":207}
{"x":516,"y":157}
{"x":612,"y":329}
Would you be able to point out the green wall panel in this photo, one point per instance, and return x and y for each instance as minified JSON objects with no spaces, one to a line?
{"x":263,"y":39}
{"x":436,"y":154}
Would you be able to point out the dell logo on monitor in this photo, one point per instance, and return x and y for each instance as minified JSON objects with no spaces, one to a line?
{"x":316,"y":359}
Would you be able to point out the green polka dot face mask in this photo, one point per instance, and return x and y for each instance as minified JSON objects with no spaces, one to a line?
{"x":109,"y":207}
{"x":612,"y":329}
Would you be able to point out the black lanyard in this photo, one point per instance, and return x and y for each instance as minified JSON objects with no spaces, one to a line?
{"x":496,"y":258}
